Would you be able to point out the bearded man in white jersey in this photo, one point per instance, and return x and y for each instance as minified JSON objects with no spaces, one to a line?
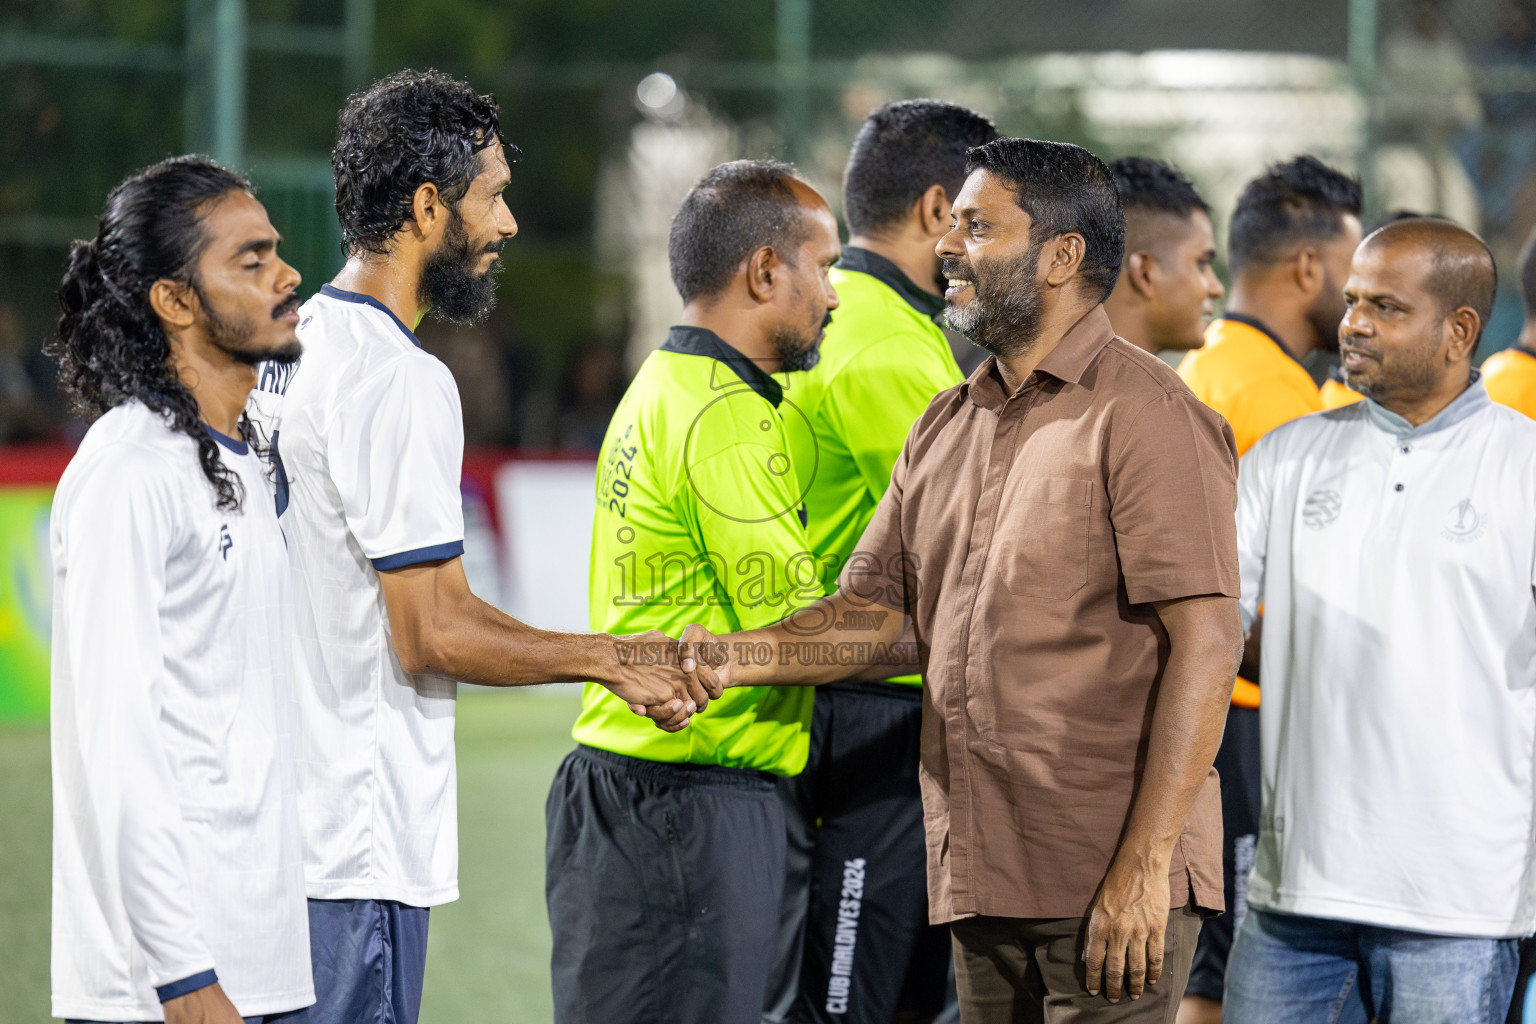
{"x":370,"y":439}
{"x":178,"y":890}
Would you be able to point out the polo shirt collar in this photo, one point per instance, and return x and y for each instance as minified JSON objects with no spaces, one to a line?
{"x":1468,"y":403}
{"x":1258,"y":325}
{"x":889,"y":274}
{"x":1067,"y":362}
{"x":700,"y":341}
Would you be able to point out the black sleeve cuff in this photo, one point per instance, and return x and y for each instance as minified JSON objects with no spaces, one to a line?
{"x":186,"y":986}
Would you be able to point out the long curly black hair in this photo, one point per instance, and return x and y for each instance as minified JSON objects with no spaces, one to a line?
{"x":402,"y":131}
{"x":110,"y":345}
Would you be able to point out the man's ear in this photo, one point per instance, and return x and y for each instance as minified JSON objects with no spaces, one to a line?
{"x":1307,"y":269}
{"x":1137,"y":273}
{"x":1062,"y":257}
{"x":1460,"y":330}
{"x":174,"y":303}
{"x":933,"y":211}
{"x":427,"y":211}
{"x":763,"y":266}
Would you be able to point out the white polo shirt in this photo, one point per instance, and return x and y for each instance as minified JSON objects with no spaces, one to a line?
{"x":371,"y":440}
{"x":1396,"y":569}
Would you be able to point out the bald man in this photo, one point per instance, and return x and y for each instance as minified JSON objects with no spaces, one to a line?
{"x":1392,"y":544}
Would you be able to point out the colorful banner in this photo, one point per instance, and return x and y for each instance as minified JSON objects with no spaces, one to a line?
{"x":26,"y":602}
{"x":528,"y":523}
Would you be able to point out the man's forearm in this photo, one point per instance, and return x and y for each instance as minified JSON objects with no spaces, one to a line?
{"x":462,"y":637}
{"x":1187,"y":724}
{"x":838,"y":637}
{"x":486,"y":646}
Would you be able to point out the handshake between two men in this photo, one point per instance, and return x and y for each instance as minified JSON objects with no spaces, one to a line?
{"x":840,"y":637}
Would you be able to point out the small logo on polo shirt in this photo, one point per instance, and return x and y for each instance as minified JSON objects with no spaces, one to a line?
{"x":1322,"y":508}
{"x":1464,"y":523}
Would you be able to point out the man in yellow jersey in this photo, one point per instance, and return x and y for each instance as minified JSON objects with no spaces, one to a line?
{"x":665,"y":850}
{"x":1292,"y":236}
{"x":1168,"y":288}
{"x":855,"y":814}
{"x":1510,"y":375}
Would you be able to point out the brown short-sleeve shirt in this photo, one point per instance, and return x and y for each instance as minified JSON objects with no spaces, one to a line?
{"x":1027,"y":535}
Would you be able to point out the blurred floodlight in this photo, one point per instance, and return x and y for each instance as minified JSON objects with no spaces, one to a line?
{"x":656,"y":91}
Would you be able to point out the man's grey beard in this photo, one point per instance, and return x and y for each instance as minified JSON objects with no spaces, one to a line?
{"x":1005,"y":316}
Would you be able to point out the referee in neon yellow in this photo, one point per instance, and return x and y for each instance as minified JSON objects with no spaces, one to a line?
{"x":665,"y":850}
{"x":855,"y":816}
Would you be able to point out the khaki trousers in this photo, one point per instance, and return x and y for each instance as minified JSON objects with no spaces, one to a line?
{"x":1011,"y":970}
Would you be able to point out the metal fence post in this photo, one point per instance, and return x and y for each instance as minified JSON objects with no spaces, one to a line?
{"x":1362,"y":72}
{"x":227,"y":81}
{"x":358,"y":31}
{"x":794,"y":60}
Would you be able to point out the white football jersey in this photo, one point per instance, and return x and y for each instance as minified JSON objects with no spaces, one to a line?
{"x":176,"y":844}
{"x":370,"y":438}
{"x":1395,"y":566}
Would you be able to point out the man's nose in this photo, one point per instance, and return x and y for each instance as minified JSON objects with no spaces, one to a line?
{"x":1356,"y":322}
{"x":506,"y":224}
{"x":946,"y":249}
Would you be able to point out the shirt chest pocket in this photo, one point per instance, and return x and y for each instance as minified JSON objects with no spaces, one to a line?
{"x":1041,"y":549}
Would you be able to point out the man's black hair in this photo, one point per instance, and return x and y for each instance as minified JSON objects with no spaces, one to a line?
{"x":1064,"y":188}
{"x":401,"y":132}
{"x":111,"y":346}
{"x":1148,"y":184}
{"x":1302,"y":201}
{"x":902,"y":150}
{"x":734,"y":210}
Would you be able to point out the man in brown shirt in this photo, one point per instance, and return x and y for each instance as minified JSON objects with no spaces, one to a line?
{"x":1059,"y":536}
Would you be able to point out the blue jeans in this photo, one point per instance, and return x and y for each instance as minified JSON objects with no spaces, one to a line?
{"x":1286,"y":969}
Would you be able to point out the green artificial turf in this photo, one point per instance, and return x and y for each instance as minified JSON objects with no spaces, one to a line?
{"x":24,"y":873}
{"x":487,"y":955}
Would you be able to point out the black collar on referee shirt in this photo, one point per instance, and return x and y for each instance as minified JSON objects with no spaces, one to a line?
{"x":889,"y":274}
{"x":700,"y":341}
{"x":1258,"y":325}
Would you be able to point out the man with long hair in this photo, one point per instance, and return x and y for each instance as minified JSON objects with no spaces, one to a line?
{"x":370,"y":440}
{"x":177,"y":867}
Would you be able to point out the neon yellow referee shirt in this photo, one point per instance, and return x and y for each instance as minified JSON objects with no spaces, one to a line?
{"x":882,"y":361}
{"x":700,"y":519}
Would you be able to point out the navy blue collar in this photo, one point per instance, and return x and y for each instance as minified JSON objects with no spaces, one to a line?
{"x":699,"y":341}
{"x":331,"y":291}
{"x":237,"y":446}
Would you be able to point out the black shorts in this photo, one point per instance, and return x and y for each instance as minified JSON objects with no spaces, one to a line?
{"x":1238,"y":763}
{"x":663,"y":883}
{"x":856,"y":946}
